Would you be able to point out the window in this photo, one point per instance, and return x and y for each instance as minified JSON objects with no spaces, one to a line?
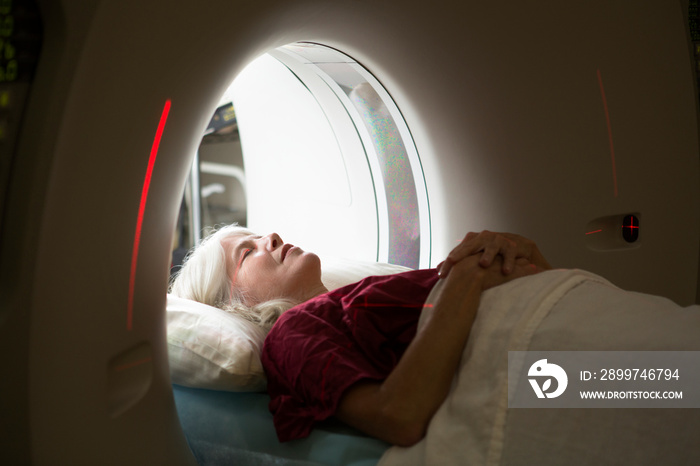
{"x":324,"y":158}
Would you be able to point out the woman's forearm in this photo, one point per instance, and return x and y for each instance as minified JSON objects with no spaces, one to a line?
{"x":399,"y":409}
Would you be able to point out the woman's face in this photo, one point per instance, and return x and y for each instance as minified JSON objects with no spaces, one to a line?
{"x":264,"y":268}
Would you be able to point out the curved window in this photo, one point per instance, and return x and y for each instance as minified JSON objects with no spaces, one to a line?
{"x":327,"y":159}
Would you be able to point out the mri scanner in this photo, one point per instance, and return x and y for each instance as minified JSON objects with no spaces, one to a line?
{"x":569,"y":123}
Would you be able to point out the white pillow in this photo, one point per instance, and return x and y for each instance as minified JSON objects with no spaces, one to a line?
{"x":211,"y":348}
{"x":337,"y":272}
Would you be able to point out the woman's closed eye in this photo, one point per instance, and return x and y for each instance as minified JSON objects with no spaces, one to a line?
{"x":246,"y":252}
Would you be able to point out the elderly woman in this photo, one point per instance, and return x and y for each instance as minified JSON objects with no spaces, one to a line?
{"x":355,"y":352}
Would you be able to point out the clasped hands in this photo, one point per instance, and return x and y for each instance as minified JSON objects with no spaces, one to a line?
{"x":501,"y":257}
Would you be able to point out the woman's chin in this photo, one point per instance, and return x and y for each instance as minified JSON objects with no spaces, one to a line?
{"x":314,"y":259}
{"x":311,"y":262}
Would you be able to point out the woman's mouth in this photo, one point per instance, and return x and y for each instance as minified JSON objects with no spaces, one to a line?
{"x":285,"y":250}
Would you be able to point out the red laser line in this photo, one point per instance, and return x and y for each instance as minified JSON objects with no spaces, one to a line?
{"x":142,"y":210}
{"x":610,"y":137}
{"x":129,"y":365}
{"x":410,"y":306}
{"x":591,"y":232}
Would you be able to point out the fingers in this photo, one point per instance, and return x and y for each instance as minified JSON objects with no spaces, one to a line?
{"x":470,"y":245}
{"x":440,"y":268}
{"x":500,"y":246}
{"x":444,"y":267}
{"x":471,"y":235}
{"x":490,"y":245}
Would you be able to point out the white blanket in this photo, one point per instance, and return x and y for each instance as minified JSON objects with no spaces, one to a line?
{"x":560,"y":310}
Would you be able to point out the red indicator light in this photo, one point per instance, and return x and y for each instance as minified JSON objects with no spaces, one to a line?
{"x":610,"y":137}
{"x":630,"y":228}
{"x":142,"y":210}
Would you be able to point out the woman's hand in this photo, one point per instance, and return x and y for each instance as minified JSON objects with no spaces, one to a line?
{"x":509,"y":246}
{"x":471,"y":269}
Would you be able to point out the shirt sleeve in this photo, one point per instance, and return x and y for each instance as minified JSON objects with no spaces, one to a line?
{"x":309,"y":364}
{"x":317,"y":350}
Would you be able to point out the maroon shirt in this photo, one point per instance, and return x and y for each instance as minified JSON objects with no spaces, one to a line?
{"x":320,"y":348}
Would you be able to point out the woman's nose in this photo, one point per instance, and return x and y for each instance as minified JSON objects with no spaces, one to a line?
{"x":273,"y":241}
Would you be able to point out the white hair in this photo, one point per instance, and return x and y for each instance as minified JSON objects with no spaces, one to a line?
{"x":203,"y":278}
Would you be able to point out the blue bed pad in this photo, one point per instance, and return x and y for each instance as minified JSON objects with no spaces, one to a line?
{"x":224,"y":428}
